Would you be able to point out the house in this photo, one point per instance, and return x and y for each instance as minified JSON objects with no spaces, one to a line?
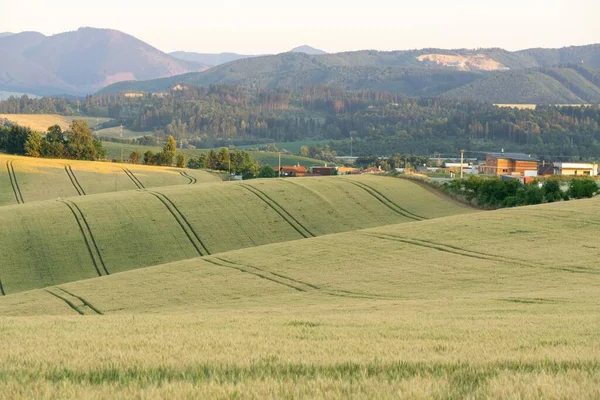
{"x":546,"y":169}
{"x":455,"y":167}
{"x":372,"y":170}
{"x":348,"y":171}
{"x":573,"y":169}
{"x":509,"y":164}
{"x":294,"y":170}
{"x":324,"y":171}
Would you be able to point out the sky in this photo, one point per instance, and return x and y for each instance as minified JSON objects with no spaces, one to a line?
{"x":274,"y":26}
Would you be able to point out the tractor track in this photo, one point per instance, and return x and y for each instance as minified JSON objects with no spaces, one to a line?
{"x":387,"y":202}
{"x":2,"y":289}
{"x":71,"y":300}
{"x":74,"y":180}
{"x":88,"y":237}
{"x":295,"y":283}
{"x":187,"y":228}
{"x":301,"y":229}
{"x":12,"y":176}
{"x":134,"y":178}
{"x":193,"y":180}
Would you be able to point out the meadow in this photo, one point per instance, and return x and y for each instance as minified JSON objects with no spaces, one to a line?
{"x":462,"y":306}
{"x":41,"y":122}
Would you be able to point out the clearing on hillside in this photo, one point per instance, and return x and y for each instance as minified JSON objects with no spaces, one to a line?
{"x":429,"y":309}
{"x":134,"y":229}
{"x":26,"y":179}
{"x":41,"y":122}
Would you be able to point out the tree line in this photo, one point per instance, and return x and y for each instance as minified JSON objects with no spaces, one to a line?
{"x":378,"y":122}
{"x":77,"y":143}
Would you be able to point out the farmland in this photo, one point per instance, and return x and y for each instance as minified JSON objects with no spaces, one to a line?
{"x":421,"y":309}
{"x":114,"y":150}
{"x":116,"y":232}
{"x":41,"y":122}
{"x":30,"y":179}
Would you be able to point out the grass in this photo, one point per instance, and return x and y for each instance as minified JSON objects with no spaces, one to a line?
{"x":133,"y":229}
{"x":463,"y":306}
{"x":117,"y":132}
{"x":292,"y":147}
{"x":41,"y":122}
{"x":45,"y":179}
{"x":114,"y":150}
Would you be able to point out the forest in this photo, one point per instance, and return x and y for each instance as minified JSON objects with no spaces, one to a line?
{"x":377,"y":123}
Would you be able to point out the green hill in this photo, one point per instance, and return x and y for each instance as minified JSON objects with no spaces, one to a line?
{"x":476,"y":74}
{"x":114,"y":232}
{"x":465,"y":306}
{"x":26,"y":179}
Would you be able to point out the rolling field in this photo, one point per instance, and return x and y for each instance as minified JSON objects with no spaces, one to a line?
{"x":463,"y":306}
{"x":41,"y":122}
{"x":134,"y":229}
{"x":26,"y":179}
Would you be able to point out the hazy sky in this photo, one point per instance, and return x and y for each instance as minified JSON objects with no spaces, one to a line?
{"x":272,"y":26}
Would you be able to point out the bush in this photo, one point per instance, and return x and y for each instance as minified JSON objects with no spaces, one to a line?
{"x":582,"y":188}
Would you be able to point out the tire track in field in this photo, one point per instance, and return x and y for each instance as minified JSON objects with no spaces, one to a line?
{"x":386,"y":201}
{"x":291,"y":282}
{"x":12,"y":176}
{"x":193,"y":180}
{"x":301,"y":229}
{"x":135,"y":180}
{"x":88,"y":237}
{"x":78,"y":304}
{"x":2,"y":289}
{"x":74,"y":181}
{"x":450,"y":249}
{"x":187,"y":228}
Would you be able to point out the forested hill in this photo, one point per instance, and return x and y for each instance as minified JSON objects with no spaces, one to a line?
{"x":379,"y":123}
{"x":568,"y":75}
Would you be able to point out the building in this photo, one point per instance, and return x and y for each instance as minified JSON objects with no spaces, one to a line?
{"x":324,"y":171}
{"x":294,"y":170}
{"x":509,"y":164}
{"x":575,"y":169}
{"x":348,"y":171}
{"x":455,"y":167}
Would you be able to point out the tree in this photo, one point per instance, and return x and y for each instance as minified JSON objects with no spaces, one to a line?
{"x":149,"y":157}
{"x":198,"y":162}
{"x":168,"y":152}
{"x":552,"y":191}
{"x":33,"y":146}
{"x":134,"y":157}
{"x":304,"y":151}
{"x":211,"y":162}
{"x":223,"y":159}
{"x":15,"y":142}
{"x":55,"y":134}
{"x":267,"y":172}
{"x":180,"y":160}
{"x":80,"y":144}
{"x":582,"y":188}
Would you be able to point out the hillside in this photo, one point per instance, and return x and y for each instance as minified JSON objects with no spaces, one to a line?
{"x":476,"y":74}
{"x":26,"y":179}
{"x":81,"y":62}
{"x":458,"y":307}
{"x":115,"y":232}
{"x":307,"y":50}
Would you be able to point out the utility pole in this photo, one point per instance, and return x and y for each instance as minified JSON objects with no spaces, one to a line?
{"x":229,"y":157}
{"x":462,"y":157}
{"x":350,"y":144}
{"x":279,"y":170}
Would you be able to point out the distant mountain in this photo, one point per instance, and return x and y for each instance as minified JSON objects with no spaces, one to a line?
{"x":568,"y":75}
{"x":3,"y":34}
{"x":307,"y":50}
{"x":81,"y":62}
{"x":208,"y":59}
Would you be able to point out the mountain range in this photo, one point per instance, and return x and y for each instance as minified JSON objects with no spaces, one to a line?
{"x":81,"y":62}
{"x":213,"y":60}
{"x":90,"y":60}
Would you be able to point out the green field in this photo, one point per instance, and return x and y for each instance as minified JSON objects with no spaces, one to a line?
{"x":41,"y":122}
{"x":115,"y":232}
{"x":425,"y":309}
{"x":117,"y":132}
{"x":329,"y":287}
{"x":31,"y":179}
{"x":292,"y":147}
{"x":114,"y":150}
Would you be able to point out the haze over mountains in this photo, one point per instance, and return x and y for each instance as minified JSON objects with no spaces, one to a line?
{"x":88,"y":60}
{"x":213,"y":60}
